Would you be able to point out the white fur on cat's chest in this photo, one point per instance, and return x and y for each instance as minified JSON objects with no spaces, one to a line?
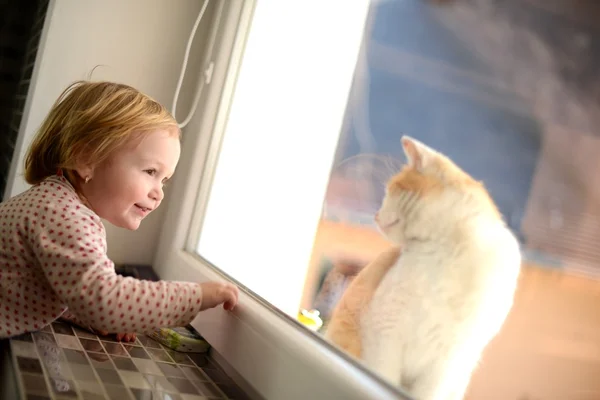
{"x":415,"y":293}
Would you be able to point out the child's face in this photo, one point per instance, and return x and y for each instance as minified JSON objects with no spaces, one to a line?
{"x":129,"y":184}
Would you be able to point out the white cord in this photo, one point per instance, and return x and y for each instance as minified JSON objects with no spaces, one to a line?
{"x":184,"y":67}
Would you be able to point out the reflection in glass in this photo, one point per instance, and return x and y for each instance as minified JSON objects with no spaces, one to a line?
{"x":508,"y":90}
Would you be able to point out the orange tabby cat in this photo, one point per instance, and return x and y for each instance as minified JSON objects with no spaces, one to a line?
{"x":343,"y":328}
{"x":422,"y":320}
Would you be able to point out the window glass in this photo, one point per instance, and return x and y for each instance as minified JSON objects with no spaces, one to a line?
{"x":506,"y":90}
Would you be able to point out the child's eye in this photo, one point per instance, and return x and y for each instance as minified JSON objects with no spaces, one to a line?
{"x":150,"y":171}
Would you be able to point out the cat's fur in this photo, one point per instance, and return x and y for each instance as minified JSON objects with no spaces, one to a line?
{"x":423,"y":321}
{"x":343,"y":328}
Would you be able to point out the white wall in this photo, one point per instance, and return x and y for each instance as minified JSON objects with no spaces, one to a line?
{"x":138,"y":42}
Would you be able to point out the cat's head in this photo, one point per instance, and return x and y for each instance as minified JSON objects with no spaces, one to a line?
{"x":429,"y":192}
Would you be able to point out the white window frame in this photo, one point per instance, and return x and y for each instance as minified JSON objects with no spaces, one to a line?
{"x":278,"y":357}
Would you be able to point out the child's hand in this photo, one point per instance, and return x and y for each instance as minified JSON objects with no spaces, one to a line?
{"x":126,"y":337}
{"x":215,"y":293}
{"x":121,"y":337}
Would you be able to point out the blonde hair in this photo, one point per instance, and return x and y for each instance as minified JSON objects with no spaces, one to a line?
{"x":89,"y":121}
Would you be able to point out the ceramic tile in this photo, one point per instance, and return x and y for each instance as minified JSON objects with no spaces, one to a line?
{"x":109,"y":376}
{"x":60,"y":369}
{"x":91,"y":390}
{"x":34,"y":384}
{"x":68,"y":342}
{"x":148,"y":342}
{"x":138,"y":352}
{"x":84,"y":373}
{"x":44,"y":337}
{"x":183,"y":385}
{"x":124,"y":364}
{"x":84,"y":334}
{"x":179,"y":358}
{"x":24,"y":349}
{"x":171,"y":396}
{"x":134,"y":380}
{"x":194,"y":374}
{"x":145,"y":394}
{"x":147,"y":366}
{"x":118,"y":392}
{"x":159,"y":355}
{"x":208,"y":389}
{"x":80,"y":365}
{"x":160,"y":383}
{"x":91,"y":345}
{"x":102,"y":364}
{"x":170,"y":370}
{"x":76,"y":356}
{"x":63,"y":388}
{"x":192,"y":397}
{"x":100,"y":357}
{"x":66,"y":362}
{"x":92,"y":396}
{"x":30,"y":365}
{"x":115,"y":349}
{"x":109,"y":338}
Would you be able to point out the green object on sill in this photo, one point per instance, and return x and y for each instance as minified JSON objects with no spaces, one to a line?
{"x":185,"y":340}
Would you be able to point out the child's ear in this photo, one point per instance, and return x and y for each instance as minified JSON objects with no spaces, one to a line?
{"x":419,"y":155}
{"x":84,"y":171}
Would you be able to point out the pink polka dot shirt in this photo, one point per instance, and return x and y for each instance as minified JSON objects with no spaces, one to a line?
{"x":53,"y":262}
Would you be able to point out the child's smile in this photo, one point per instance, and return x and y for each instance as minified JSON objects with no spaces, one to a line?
{"x":128,"y":186}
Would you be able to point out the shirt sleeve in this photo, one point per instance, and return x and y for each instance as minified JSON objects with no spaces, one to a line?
{"x":70,"y":246}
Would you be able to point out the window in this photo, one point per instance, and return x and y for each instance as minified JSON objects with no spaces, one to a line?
{"x":278,"y":146}
{"x":299,"y":130}
{"x":268,"y":348}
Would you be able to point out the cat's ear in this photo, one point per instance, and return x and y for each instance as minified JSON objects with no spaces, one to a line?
{"x":418,"y":154}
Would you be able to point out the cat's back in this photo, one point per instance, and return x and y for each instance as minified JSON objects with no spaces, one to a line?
{"x":436,"y":295}
{"x":495,"y":257}
{"x":475,"y":270}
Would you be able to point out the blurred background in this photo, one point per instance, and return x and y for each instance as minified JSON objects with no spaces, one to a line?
{"x":510,"y":91}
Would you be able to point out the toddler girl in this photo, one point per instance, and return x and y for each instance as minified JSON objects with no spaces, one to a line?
{"x":104,"y":151}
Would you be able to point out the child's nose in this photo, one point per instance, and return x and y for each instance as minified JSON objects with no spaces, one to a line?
{"x":157,"y":194}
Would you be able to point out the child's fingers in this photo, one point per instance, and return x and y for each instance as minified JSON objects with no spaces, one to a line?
{"x":236,"y":294}
{"x":100,"y":332}
{"x":231,"y":298}
{"x":126,"y":337}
